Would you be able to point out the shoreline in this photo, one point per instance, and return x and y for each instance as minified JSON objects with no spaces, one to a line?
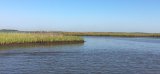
{"x":43,"y":43}
{"x":112,"y":34}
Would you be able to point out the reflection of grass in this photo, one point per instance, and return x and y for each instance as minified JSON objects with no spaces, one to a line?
{"x":116,"y":34}
{"x":39,"y":45}
{"x":18,"y":38}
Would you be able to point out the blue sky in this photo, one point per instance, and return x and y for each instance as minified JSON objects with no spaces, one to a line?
{"x":81,"y":15}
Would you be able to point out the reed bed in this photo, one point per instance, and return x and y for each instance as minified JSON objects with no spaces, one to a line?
{"x":19,"y":38}
{"x":114,"y":34}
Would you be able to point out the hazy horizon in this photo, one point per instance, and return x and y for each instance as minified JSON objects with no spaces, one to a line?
{"x":81,"y":15}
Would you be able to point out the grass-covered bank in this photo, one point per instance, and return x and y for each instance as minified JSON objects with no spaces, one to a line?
{"x":20,"y":38}
{"x":114,"y":34}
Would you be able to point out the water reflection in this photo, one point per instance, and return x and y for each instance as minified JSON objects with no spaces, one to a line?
{"x":40,"y":48}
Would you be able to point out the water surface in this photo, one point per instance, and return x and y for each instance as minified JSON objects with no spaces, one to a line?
{"x":98,"y":55}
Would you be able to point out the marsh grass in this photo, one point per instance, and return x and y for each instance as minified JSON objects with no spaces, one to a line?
{"x":19,"y":38}
{"x":114,"y":34}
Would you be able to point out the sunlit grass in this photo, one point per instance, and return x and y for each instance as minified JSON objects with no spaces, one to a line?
{"x":11,"y":38}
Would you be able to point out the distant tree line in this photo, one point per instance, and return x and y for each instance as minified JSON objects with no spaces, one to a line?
{"x":8,"y":30}
{"x":12,"y":30}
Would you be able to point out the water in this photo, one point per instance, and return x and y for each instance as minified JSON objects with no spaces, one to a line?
{"x":98,"y":55}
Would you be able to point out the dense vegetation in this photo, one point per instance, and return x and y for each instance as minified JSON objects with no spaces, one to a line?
{"x":13,"y":38}
{"x":19,"y":37}
{"x":114,"y":34}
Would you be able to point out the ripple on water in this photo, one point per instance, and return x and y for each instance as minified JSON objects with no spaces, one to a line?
{"x":98,"y":55}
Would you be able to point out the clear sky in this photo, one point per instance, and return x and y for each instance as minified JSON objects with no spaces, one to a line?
{"x":81,"y":15}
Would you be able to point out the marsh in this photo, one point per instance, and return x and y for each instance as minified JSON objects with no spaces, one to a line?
{"x":98,"y":55}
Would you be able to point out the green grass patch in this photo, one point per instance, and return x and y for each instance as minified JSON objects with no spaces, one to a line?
{"x":13,"y":38}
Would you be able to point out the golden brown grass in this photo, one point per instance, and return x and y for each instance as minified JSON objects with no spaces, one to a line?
{"x":11,"y":38}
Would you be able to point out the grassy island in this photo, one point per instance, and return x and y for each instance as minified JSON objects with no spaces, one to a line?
{"x":20,"y":38}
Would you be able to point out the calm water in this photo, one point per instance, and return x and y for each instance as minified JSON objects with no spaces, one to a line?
{"x":98,"y":55}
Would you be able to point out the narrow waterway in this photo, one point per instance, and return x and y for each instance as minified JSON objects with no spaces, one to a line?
{"x":98,"y":55}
